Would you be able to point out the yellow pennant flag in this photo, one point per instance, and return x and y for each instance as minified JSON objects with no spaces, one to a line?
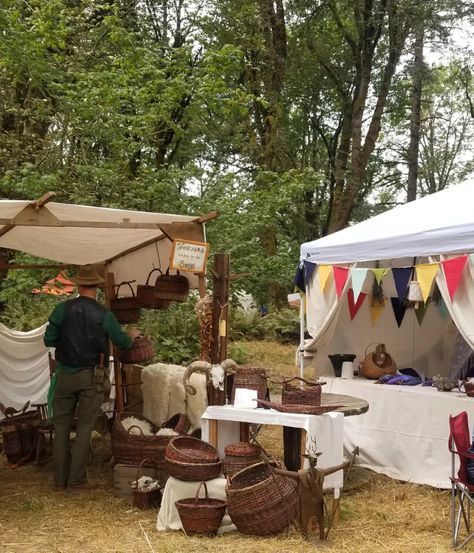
{"x":324,"y":272}
{"x":425,"y":273}
{"x":375,"y":312}
{"x":379,"y":274}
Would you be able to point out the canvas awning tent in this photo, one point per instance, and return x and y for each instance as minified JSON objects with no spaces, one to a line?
{"x":433,"y":228}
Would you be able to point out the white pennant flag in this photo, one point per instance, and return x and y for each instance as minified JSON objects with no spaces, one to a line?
{"x":358,"y":279}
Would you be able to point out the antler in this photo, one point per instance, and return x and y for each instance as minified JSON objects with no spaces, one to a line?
{"x":199,"y":366}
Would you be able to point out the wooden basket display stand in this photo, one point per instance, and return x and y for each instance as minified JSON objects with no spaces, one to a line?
{"x":239,"y":456}
{"x":19,"y":431}
{"x":305,"y":395}
{"x":132,"y":449}
{"x":171,"y":287}
{"x":146,"y":295}
{"x":126,"y":310}
{"x":201,"y":515}
{"x":186,"y":449}
{"x":146,"y":499}
{"x":377,"y":363}
{"x":261,"y":502}
{"x":142,"y":350}
{"x":252,"y":378}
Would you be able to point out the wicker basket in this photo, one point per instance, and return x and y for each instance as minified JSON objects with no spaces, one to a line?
{"x":193,"y":472}
{"x":307,"y":395}
{"x":132,"y":449}
{"x":20,"y":436}
{"x":370,"y":369}
{"x":201,"y":515}
{"x":186,"y":449}
{"x":261,"y":502}
{"x":126,"y":310}
{"x":469,"y":388}
{"x":172,"y":287}
{"x":239,"y":456}
{"x":142,"y":350}
{"x":146,"y":295}
{"x":295,"y":408}
{"x":252,"y":378}
{"x":146,"y":499}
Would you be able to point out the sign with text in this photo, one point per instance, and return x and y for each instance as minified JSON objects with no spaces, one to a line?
{"x":189,"y":256}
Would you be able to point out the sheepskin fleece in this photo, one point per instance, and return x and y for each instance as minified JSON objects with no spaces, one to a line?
{"x":130,"y":422}
{"x":164,"y":395}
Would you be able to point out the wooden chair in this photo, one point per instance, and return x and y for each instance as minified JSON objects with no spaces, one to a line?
{"x":46,"y":427}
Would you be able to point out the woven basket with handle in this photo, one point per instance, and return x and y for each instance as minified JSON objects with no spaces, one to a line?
{"x":308,"y":394}
{"x":146,"y":295}
{"x":126,"y":310}
{"x":377,"y":363}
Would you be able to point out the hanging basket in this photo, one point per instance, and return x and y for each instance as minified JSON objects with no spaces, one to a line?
{"x":377,"y":363}
{"x":146,"y":295}
{"x":172,"y":287}
{"x":142,"y":350}
{"x":126,"y":310}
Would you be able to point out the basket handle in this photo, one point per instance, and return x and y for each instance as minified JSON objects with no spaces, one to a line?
{"x":309,"y":382}
{"x":141,"y":464}
{"x":371,"y":344}
{"x":196,"y":497}
{"x":150,"y":273}
{"x":135,"y":426}
{"x":129,"y":282}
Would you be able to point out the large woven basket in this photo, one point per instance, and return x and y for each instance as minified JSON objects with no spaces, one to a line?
{"x":260,"y":502}
{"x":127,"y":310}
{"x":132,"y":449}
{"x":370,"y":369}
{"x":186,"y":449}
{"x":201,"y":515}
{"x":172,"y":287}
{"x":240,"y":455}
{"x":142,"y":350}
{"x":308,"y":394}
{"x":252,"y":378}
{"x":193,"y":472}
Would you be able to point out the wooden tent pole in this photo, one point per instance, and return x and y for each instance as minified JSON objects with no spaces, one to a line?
{"x":109,"y":290}
{"x":220,"y":308}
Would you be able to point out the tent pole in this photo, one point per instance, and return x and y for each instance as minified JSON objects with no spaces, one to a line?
{"x":301,"y":348}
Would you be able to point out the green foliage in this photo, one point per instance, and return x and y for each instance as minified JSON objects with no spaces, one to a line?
{"x":238,"y":353}
{"x":280,"y":325}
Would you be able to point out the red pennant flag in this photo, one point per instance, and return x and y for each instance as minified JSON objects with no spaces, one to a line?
{"x":453,"y":269}
{"x":340,"y":277}
{"x":354,"y":306}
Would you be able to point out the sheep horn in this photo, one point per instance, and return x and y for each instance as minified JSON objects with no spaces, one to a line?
{"x":228,"y":364}
{"x":200,"y":366}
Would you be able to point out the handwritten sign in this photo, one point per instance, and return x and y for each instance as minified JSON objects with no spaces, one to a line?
{"x":189,"y":256}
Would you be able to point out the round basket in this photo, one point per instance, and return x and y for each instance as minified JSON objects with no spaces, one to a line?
{"x":261,"y":502}
{"x":186,"y":449}
{"x":239,"y":456}
{"x":201,"y":515}
{"x":142,"y":350}
{"x":193,"y":472}
{"x":370,"y":369}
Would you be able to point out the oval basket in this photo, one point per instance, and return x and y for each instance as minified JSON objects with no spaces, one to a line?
{"x":172,"y":287}
{"x":260,"y":502}
{"x":201,"y":515}
{"x":126,"y":310}
{"x":146,"y":296}
{"x":370,"y":369}
{"x":309,"y":394}
{"x":239,"y":456}
{"x":132,"y":449}
{"x":193,"y":472}
{"x":186,"y":449}
{"x":142,"y":350}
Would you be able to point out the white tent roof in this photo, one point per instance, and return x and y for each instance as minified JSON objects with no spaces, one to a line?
{"x":440,"y":223}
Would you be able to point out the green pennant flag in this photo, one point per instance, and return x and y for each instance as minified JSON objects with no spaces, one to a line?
{"x":420,"y":312}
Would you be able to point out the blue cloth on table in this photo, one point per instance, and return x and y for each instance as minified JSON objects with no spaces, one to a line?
{"x":400,"y":379}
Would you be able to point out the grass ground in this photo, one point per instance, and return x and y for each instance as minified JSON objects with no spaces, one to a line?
{"x":383,"y":515}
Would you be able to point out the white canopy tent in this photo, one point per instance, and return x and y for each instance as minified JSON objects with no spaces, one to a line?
{"x":429,"y":230}
{"x":128,"y":243}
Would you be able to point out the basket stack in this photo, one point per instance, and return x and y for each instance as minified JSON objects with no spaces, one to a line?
{"x":239,"y":456}
{"x":132,"y":449}
{"x":192,"y":460}
{"x":261,"y":502}
{"x":201,"y":516}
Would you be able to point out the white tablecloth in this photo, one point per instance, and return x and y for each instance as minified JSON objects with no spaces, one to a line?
{"x":168,"y":516}
{"x":405,"y":432}
{"x":325,"y":430}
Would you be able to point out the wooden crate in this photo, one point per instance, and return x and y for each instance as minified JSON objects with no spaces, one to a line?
{"x":124,"y":475}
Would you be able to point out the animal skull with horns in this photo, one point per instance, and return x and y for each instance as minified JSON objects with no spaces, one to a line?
{"x":214,"y":373}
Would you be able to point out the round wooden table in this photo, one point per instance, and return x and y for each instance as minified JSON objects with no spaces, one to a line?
{"x":351,"y":405}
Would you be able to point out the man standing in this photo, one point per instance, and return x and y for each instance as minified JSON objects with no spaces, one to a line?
{"x":80,"y":329}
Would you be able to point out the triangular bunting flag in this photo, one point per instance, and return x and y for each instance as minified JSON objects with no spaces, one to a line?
{"x":324,"y":272}
{"x":442,"y":309}
{"x":452,"y":272}
{"x":421,"y":311}
{"x":357,"y":279}
{"x":398,"y":310}
{"x":309,"y":270}
{"x":425,"y":273}
{"x":354,"y":306}
{"x":375,"y":312}
{"x":298,"y":281}
{"x":401,"y":276}
{"x":340,"y":277}
{"x":379,"y":274}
